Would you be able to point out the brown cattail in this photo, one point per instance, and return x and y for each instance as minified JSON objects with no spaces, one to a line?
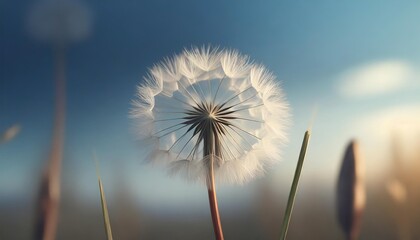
{"x":351,"y":192}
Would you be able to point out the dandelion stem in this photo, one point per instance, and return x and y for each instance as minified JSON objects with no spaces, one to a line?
{"x":49,"y":195}
{"x":293,"y":189}
{"x":217,"y":225}
{"x":212,"y":149}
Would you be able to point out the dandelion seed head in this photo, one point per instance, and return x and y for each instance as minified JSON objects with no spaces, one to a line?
{"x":211,"y":92}
{"x":59,"y":21}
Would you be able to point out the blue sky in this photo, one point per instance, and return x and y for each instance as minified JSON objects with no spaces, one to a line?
{"x":312,"y":46}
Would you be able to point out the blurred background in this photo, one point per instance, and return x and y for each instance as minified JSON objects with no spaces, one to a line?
{"x":356,"y":63}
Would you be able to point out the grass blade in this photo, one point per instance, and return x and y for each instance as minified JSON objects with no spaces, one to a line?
{"x":105,"y":213}
{"x":293,"y":189}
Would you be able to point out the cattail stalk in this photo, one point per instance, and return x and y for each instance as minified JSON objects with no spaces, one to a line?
{"x":293,"y":189}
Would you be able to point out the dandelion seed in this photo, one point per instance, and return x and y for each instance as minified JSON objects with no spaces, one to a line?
{"x":211,"y":114}
{"x":10,"y":133}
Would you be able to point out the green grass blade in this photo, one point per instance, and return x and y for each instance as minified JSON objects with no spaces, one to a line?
{"x":293,"y":189}
{"x":107,"y":223}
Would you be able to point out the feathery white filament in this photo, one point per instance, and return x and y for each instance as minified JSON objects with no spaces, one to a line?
{"x":182,"y":96}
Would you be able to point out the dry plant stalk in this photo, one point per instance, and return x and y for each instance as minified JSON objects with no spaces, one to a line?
{"x":107,"y":223}
{"x":105,"y":213}
{"x":351,"y":192}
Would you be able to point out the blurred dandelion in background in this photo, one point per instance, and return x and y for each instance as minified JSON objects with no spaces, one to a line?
{"x":59,"y":23}
{"x":212,"y":114}
{"x":351,"y":196}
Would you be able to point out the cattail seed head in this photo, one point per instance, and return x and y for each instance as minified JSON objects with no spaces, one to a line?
{"x":351,"y":192}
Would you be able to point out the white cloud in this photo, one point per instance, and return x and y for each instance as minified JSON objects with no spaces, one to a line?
{"x":376,"y":78}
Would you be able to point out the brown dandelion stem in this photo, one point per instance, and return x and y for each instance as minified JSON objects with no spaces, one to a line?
{"x":212,"y":149}
{"x":49,"y":194}
{"x":293,"y":189}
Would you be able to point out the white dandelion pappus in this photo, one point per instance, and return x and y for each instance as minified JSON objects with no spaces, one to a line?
{"x":207,"y":102}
